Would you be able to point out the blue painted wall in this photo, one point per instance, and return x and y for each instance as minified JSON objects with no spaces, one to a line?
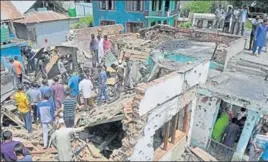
{"x":11,"y":51}
{"x":119,"y":15}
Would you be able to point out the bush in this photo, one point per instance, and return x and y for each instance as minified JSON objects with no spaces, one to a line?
{"x":199,"y":6}
{"x":85,"y":21}
{"x":187,"y":24}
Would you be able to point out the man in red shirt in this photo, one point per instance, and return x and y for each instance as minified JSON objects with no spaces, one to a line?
{"x":18,"y":68}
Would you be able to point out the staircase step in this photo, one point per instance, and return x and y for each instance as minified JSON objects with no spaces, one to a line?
{"x":247,"y":70}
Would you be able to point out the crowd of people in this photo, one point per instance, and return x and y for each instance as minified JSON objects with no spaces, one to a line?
{"x":53,"y":104}
{"x":228,"y":129}
{"x":236,"y":19}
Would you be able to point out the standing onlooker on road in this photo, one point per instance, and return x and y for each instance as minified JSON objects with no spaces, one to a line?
{"x":243,"y":18}
{"x":85,"y":87}
{"x":102,"y":85}
{"x":94,"y":46}
{"x":235,"y":21}
{"x":227,"y":20}
{"x":24,"y":108}
{"x":46,"y":115}
{"x":58,"y":90}
{"x":260,"y":37}
{"x":34,"y":95}
{"x":69,"y":107}
{"x":218,"y":15}
{"x":18,"y":149}
{"x":8,"y":147}
{"x":255,"y":23}
{"x":62,"y":139}
{"x":18,"y":68}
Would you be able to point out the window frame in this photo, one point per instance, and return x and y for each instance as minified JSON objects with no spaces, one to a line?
{"x":106,"y":1}
{"x":100,"y":21}
{"x":131,"y":1}
{"x":128,"y":23}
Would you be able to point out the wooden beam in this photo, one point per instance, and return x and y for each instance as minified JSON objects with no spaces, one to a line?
{"x":166,"y":136}
{"x":175,"y":124}
{"x":12,"y":117}
{"x":186,"y":121}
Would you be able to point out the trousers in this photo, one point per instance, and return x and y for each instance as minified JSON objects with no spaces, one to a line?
{"x":45,"y":129}
{"x":255,"y":48}
{"x":95,"y":58}
{"x":102,"y":92}
{"x":27,"y":121}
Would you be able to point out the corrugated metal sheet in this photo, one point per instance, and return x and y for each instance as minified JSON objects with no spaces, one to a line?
{"x":9,"y":11}
{"x":22,"y":5}
{"x":41,"y":16}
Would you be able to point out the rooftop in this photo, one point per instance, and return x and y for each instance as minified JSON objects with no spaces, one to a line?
{"x":41,"y":16}
{"x":9,"y":11}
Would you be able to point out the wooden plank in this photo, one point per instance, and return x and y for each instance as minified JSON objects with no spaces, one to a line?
{"x":166,"y":136}
{"x":13,"y":117}
{"x":174,"y":129}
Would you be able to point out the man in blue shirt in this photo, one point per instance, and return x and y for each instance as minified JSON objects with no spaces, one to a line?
{"x":46,"y":90}
{"x":260,"y":143}
{"x":102,"y":85}
{"x":46,"y":114}
{"x":73,"y":85}
{"x":94,"y":47}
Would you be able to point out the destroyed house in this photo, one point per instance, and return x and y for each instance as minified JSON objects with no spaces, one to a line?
{"x":135,"y":14}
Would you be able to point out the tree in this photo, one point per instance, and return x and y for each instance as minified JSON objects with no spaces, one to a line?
{"x":83,"y":22}
{"x":199,"y":6}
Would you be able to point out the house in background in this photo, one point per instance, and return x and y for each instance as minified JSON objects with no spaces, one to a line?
{"x":135,"y":14}
{"x":44,"y":25}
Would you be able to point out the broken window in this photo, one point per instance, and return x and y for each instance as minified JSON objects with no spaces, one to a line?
{"x":153,"y":23}
{"x":134,"y":27}
{"x":134,"y":5}
{"x":107,"y":22}
{"x":173,"y":130}
{"x":156,"y":5}
{"x":107,"y":4}
{"x":167,"y":4}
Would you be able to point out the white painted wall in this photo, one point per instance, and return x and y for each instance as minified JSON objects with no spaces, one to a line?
{"x":161,"y":102}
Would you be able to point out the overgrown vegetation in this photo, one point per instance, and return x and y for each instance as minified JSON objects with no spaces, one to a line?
{"x":199,"y":6}
{"x":83,"y":22}
{"x":187,"y":24}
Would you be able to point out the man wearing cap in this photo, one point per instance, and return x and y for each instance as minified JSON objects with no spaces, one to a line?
{"x":24,"y":108}
{"x":46,"y":115}
{"x":34,"y":95}
{"x":102,"y":85}
{"x":58,"y":91}
{"x":62,"y":140}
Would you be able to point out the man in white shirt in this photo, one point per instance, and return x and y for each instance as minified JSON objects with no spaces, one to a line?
{"x":85,"y":88}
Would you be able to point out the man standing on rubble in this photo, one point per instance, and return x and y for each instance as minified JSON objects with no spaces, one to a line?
{"x":62,"y":138}
{"x":85,"y":87}
{"x":102,"y":85}
{"x":46,"y":115}
{"x":46,"y":90}
{"x":58,"y":91}
{"x":18,"y":68}
{"x":24,"y":107}
{"x":128,"y":74}
{"x":8,"y":147}
{"x":62,"y":69}
{"x":34,"y":95}
{"x":94,"y":47}
{"x":73,"y":85}
{"x":119,"y":78}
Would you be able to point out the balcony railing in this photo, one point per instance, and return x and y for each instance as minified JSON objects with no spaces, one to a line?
{"x":161,"y":13}
{"x":220,"y":151}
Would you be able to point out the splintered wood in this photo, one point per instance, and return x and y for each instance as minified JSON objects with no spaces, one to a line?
{"x":52,"y":61}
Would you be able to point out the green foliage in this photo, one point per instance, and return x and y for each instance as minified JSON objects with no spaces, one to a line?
{"x":199,"y":6}
{"x":187,"y":24}
{"x":83,"y":22}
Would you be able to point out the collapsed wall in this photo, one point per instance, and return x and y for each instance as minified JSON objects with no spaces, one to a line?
{"x":156,"y":103}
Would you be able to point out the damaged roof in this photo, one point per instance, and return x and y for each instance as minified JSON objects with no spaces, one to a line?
{"x":42,"y":16}
{"x":9,"y":11}
{"x":23,"y":6}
